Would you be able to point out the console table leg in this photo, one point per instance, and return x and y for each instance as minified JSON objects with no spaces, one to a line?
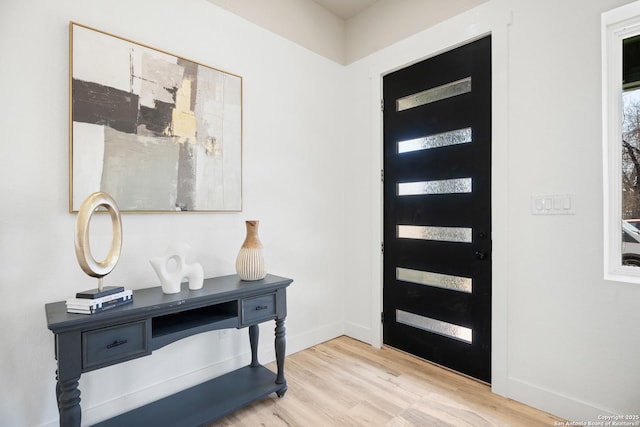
{"x":58,"y":390}
{"x":68,"y":396}
{"x":280,"y":352}
{"x":254,"y":333}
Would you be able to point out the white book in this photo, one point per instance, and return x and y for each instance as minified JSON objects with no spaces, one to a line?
{"x":99,"y":308}
{"x":84,"y":302}
{"x":100,"y":304}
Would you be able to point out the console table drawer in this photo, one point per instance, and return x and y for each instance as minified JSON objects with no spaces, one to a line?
{"x":103,"y":347}
{"x":260,"y":308}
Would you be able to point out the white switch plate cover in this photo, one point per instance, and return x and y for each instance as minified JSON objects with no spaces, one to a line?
{"x":553,"y":204}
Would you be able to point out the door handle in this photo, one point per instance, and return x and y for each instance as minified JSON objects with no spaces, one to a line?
{"x":481,"y":255}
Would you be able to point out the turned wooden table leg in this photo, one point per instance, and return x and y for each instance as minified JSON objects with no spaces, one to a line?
{"x":58,"y":390}
{"x":69,"y":357}
{"x":280,"y":352}
{"x":254,"y":334}
{"x":69,"y":402}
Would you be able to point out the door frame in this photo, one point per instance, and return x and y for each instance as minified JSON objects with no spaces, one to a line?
{"x":449,"y":37}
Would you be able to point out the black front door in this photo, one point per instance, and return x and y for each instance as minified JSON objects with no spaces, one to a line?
{"x":437,"y":209}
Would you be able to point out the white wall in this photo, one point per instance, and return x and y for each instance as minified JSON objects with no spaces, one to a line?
{"x":292,"y":169}
{"x":305,"y":22}
{"x":564,"y":340}
{"x":388,"y":21}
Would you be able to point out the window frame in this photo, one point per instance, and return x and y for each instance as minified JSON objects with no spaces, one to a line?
{"x":616,"y":25}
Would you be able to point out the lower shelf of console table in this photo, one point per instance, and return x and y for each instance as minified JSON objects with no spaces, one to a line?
{"x":205,"y":402}
{"x":85,"y":343}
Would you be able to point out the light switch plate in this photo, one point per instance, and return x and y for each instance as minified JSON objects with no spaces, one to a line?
{"x":557,"y":204}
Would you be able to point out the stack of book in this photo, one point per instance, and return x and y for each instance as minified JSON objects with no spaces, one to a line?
{"x":94,"y":301}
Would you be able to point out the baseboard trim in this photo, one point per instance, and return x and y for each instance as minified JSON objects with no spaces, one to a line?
{"x":554,"y":403}
{"x":358,"y":332}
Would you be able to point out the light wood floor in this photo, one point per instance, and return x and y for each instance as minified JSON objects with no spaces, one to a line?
{"x":344,"y":382}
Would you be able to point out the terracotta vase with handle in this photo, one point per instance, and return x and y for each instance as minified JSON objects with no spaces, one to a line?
{"x":250,"y":261}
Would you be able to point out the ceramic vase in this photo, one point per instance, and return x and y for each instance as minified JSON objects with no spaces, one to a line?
{"x":250,"y":261}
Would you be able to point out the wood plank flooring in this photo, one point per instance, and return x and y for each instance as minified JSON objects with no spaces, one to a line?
{"x":344,"y":382}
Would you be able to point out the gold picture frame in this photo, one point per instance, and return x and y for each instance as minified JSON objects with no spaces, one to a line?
{"x":156,"y":131}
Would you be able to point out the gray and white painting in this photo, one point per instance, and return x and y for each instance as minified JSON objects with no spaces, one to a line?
{"x":155,"y":131}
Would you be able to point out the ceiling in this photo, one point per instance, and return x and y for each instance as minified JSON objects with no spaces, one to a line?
{"x":345,"y":9}
{"x":346,"y":30}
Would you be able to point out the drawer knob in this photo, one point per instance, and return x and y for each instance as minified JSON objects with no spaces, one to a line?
{"x":261,"y":307}
{"x":116,"y":343}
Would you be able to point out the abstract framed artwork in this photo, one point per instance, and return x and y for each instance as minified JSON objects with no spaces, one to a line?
{"x":157,"y":132}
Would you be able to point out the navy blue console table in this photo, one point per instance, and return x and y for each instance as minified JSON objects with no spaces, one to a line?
{"x":87,"y":342}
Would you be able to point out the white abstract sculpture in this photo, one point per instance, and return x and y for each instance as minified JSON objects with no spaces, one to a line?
{"x":170,"y":280}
